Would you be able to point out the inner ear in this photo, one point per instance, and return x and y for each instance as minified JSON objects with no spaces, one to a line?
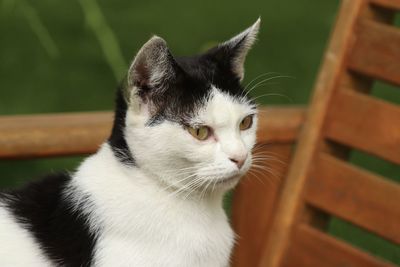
{"x":153,"y":67}
{"x":233,"y":52}
{"x":142,"y":76}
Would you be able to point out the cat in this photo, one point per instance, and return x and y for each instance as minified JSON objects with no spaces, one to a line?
{"x":152,"y":195}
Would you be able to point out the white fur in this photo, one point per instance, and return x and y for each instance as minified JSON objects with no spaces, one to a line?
{"x":167,"y":209}
{"x":142,"y":225}
{"x":18,"y":248}
{"x":164,"y":150}
{"x":140,"y":217}
{"x":153,"y":214}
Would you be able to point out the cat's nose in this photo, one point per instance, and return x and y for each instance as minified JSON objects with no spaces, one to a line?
{"x":239,"y":160}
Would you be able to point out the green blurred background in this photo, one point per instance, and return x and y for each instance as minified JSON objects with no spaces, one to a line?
{"x":64,"y":56}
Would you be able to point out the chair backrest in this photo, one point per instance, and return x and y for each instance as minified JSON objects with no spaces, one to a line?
{"x":365,"y":47}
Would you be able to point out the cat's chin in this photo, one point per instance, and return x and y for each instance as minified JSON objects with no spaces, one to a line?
{"x":228,"y":182}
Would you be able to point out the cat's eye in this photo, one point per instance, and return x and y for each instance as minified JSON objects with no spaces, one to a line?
{"x":200,"y":133}
{"x":246,"y":123}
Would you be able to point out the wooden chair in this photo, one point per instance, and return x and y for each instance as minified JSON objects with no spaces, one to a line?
{"x":281,"y":220}
{"x":321,"y":182}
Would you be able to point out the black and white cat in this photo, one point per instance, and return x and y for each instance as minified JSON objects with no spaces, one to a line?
{"x":152,"y":195}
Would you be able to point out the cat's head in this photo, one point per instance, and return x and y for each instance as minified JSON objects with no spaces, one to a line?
{"x":187,"y":121}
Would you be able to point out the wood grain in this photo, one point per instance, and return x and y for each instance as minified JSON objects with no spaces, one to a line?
{"x":363,"y":48}
{"x":365,"y":123}
{"x":312,"y":248}
{"x":32,"y":136}
{"x":355,"y":195}
{"x":290,"y":202}
{"x":376,"y":51}
{"x":280,"y":124}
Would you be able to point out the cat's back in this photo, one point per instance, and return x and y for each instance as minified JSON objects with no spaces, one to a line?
{"x":39,"y":227}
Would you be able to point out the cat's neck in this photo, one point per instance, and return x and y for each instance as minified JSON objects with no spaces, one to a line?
{"x":120,"y":191}
{"x":126,"y":206}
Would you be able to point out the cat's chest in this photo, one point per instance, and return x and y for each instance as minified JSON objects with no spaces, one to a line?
{"x":140,"y":225}
{"x":183,"y":242}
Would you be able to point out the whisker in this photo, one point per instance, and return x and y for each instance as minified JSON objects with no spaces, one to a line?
{"x":268,"y":170}
{"x":262,"y":82}
{"x":271,"y":179}
{"x":266,"y":80}
{"x":253,"y":174}
{"x":266,"y":178}
{"x":269,"y":159}
{"x":259,"y":76}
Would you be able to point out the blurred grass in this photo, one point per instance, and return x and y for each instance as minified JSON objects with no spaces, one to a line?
{"x":61,"y":56}
{"x":105,"y":37}
{"x":38,"y":28}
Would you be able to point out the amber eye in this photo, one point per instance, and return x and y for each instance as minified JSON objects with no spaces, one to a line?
{"x":246,"y":123}
{"x":201,"y":132}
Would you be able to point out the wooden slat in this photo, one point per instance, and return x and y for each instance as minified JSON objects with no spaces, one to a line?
{"x":32,"y":136}
{"x":288,"y":209}
{"x":311,"y":248}
{"x":365,"y":123}
{"x":81,"y":133}
{"x":390,"y":4}
{"x":254,"y":203}
{"x":360,"y":197}
{"x":376,"y":51}
{"x":280,"y":124}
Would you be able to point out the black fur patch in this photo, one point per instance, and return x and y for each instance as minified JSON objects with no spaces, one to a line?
{"x":63,"y":234}
{"x":117,"y":139}
{"x":180,"y":98}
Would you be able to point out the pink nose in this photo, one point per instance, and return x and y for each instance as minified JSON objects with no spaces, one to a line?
{"x":239,"y":161}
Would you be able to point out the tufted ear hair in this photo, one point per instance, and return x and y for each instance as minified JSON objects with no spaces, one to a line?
{"x":232,"y":53}
{"x":153,"y":66}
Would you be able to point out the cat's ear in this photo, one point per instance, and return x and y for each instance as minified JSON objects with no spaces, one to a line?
{"x":152,"y":67}
{"x":232,"y":53}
